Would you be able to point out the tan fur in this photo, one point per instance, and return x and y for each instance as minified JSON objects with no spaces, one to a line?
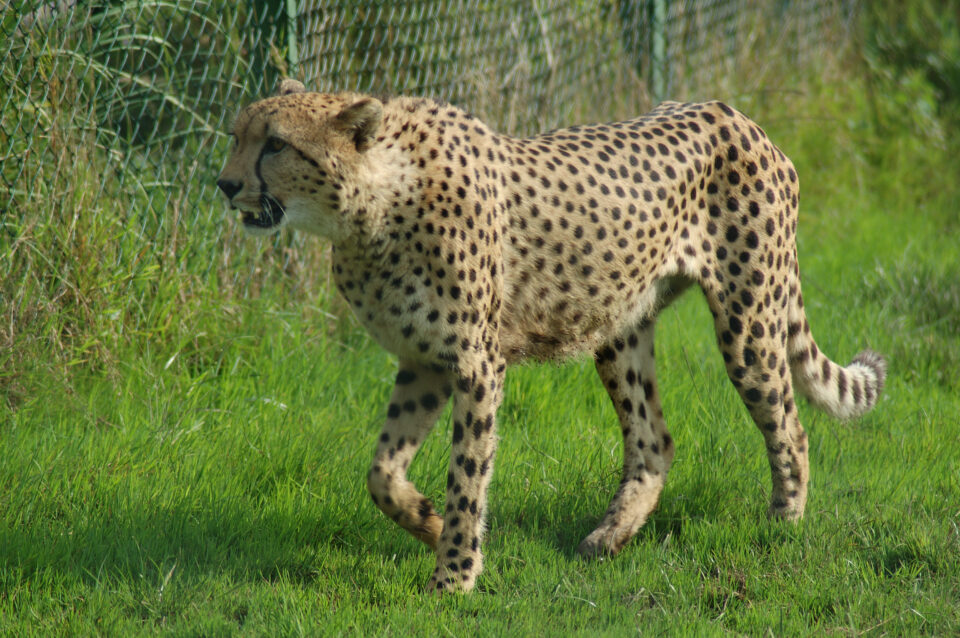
{"x":462,"y":250}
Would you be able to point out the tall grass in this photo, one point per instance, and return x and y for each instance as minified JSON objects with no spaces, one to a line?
{"x":110,"y":243}
{"x":115,"y":244}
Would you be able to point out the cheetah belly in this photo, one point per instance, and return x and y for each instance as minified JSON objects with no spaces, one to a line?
{"x":540,"y":322}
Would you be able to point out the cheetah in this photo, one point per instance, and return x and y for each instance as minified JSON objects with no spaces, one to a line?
{"x":462,"y":250}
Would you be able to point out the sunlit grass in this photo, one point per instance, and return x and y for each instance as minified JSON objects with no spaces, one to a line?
{"x":217,"y":487}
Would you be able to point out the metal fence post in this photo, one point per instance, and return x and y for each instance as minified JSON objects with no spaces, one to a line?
{"x":277,"y":20}
{"x":293,"y":57}
{"x":658,"y":48}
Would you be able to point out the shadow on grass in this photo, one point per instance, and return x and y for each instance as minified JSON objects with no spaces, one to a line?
{"x":242,"y":544}
{"x":569,"y":518}
{"x":283,"y":541}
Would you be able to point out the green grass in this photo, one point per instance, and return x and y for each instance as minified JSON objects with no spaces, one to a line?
{"x":228,"y":499}
{"x":199,"y":470}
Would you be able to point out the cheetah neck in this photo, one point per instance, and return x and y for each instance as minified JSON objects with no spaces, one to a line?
{"x":387,"y":179}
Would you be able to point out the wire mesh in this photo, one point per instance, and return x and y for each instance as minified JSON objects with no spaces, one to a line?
{"x":140,"y":91}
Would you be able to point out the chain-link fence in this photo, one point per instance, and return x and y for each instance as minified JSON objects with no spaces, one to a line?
{"x":530,"y":64}
{"x":127,"y":101}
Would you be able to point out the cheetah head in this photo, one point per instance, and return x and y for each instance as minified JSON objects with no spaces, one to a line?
{"x":293,"y":158}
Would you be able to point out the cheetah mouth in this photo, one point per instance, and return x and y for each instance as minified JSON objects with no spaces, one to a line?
{"x":269,"y":216}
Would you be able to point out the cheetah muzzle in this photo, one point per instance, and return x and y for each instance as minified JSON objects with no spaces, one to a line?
{"x":462,"y":250}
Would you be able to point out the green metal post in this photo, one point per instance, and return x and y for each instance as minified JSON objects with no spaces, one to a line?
{"x":658,"y":50}
{"x":293,"y":57}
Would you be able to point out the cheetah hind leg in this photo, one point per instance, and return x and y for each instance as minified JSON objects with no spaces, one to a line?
{"x":753,"y":343}
{"x":626,"y":367}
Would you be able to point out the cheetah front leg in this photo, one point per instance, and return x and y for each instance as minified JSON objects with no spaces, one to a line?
{"x":626,"y":367}
{"x":459,"y":559}
{"x":419,"y":396}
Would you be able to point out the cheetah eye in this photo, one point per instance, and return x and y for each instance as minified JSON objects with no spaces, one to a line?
{"x":274,"y":145}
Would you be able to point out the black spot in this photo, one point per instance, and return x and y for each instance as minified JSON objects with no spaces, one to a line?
{"x":429,"y":401}
{"x":735,"y":325}
{"x":405,"y":377}
{"x":425,"y":509}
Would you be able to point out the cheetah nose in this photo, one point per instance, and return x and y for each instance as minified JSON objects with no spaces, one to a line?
{"x":229,"y":187}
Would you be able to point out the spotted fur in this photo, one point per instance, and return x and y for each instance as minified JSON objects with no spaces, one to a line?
{"x":462,"y":250}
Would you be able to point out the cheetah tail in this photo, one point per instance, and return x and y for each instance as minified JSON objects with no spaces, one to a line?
{"x":843,"y":392}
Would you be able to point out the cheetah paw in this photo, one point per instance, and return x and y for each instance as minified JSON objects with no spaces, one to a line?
{"x":603,"y":542}
{"x":789,"y":512}
{"x":446,"y":581}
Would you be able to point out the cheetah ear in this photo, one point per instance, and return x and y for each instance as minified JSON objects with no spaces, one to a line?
{"x":289,"y":86}
{"x":360,"y":121}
